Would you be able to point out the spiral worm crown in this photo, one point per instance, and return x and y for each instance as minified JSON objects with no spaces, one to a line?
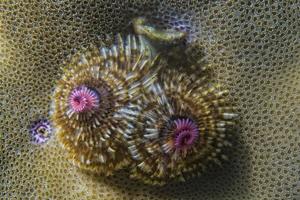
{"x":93,"y":102}
{"x":182,"y":126}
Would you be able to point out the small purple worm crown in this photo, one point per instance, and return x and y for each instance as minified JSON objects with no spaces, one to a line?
{"x":41,"y":131}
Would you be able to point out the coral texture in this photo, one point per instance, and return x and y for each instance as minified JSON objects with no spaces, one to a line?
{"x":253,"y":47}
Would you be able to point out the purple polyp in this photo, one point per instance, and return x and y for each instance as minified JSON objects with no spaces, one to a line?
{"x":41,"y":131}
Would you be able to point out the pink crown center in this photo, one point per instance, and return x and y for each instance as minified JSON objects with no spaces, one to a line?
{"x":186,"y":133}
{"x":83,"y":99}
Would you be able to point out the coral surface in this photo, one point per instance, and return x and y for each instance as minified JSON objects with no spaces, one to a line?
{"x":252,"y":46}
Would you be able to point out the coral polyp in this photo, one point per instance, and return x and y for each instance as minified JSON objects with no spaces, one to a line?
{"x":40,"y":131}
{"x":183,"y":127}
{"x":93,"y":102}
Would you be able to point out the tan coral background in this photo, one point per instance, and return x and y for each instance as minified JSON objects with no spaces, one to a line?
{"x":254,"y":51}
